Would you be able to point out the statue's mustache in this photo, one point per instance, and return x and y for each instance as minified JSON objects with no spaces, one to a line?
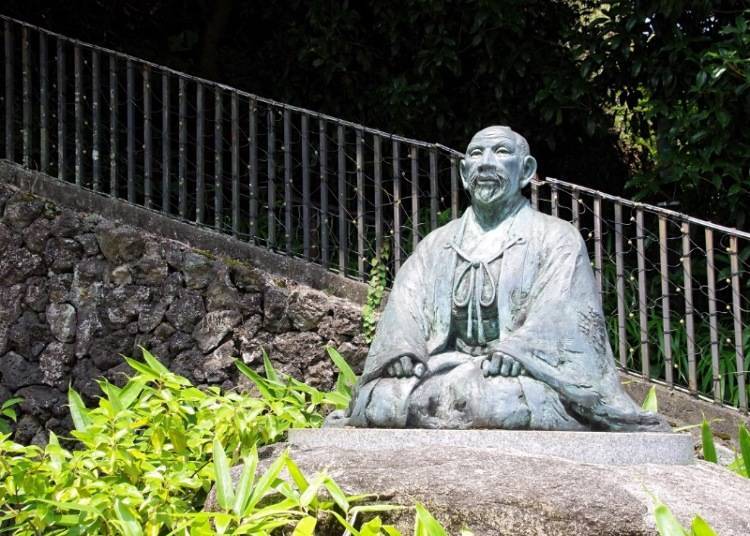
{"x":488,"y":176}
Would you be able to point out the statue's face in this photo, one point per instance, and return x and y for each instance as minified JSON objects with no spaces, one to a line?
{"x":494,"y":169}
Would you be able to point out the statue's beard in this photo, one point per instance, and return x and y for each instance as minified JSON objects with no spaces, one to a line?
{"x":488,"y":187}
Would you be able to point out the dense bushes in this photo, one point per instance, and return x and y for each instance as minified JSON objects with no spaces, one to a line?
{"x":144,"y":459}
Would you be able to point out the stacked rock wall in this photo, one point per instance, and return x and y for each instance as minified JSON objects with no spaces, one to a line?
{"x":77,"y":290}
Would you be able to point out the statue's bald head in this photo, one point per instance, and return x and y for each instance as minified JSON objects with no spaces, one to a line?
{"x":522,"y":146}
{"x":497,"y":166}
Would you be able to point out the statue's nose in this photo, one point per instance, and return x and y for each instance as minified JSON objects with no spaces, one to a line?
{"x":488,"y":161}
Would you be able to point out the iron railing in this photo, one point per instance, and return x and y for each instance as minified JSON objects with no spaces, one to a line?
{"x":339,"y":194}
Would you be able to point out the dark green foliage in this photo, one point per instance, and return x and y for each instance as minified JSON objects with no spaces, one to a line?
{"x":677,"y":77}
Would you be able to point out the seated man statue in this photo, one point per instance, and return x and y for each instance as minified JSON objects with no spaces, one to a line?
{"x":495,"y":321}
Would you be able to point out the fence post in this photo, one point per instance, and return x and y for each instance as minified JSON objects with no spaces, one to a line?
{"x":322,"y":132}
{"x":734,"y":266}
{"x":26,"y":75}
{"x":218,"y":162}
{"x":665,"y":309}
{"x":43,"y":104}
{"x":9,"y":82}
{"x":688,"y":288}
{"x":96,"y":160}
{"x":642,"y":298}
{"x":305,"y":126}
{"x":620,"y":270}
{"x":712,"y":320}
{"x":60,"y":110}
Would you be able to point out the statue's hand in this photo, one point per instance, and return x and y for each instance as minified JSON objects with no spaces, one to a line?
{"x":405,"y":367}
{"x":500,"y":364}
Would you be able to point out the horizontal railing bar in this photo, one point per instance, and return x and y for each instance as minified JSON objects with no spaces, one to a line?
{"x":651,"y":208}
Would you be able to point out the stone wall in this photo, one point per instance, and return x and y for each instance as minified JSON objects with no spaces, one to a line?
{"x":77,"y":290}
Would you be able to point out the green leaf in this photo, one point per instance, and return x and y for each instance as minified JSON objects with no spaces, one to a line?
{"x":305,"y":527}
{"x":129,"y":523}
{"x":268,"y":367}
{"x":342,"y":365}
{"x":245,"y":485}
{"x":224,"y":492}
{"x":650,"y":403}
{"x":130,"y":392}
{"x":700,"y":527}
{"x":154,"y":363}
{"x":266,"y":480}
{"x":257,"y":379}
{"x":78,"y":411}
{"x":666,"y":522}
{"x":338,"y":495}
{"x":709,"y":449}
{"x":11,"y":402}
{"x":113,"y":395}
{"x":425,"y":524}
{"x":744,"y":437}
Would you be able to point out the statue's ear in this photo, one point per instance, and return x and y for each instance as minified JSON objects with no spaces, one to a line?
{"x":462,"y":172}
{"x":529,"y":170}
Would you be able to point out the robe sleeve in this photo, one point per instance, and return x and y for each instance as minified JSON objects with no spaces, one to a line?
{"x":563,"y":340}
{"x":403,"y":324}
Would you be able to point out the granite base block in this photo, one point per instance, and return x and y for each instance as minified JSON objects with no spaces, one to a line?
{"x":604,"y":448}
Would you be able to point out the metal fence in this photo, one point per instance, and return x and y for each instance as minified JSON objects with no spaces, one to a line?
{"x":674,"y":288}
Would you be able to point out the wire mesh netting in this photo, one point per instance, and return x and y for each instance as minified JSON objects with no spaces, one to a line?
{"x":674,"y":288}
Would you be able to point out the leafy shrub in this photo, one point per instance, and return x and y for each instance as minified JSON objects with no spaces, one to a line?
{"x":146,"y":456}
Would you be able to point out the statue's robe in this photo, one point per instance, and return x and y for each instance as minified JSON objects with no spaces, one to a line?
{"x":549,"y":318}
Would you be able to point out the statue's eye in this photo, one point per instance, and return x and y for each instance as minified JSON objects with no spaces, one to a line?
{"x":476,"y":152}
{"x":502,"y":150}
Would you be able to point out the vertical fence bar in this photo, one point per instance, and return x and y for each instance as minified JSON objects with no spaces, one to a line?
{"x":620,"y":270}
{"x":165,"y":144}
{"x":554,"y":203}
{"x":43,"y":104}
{"x":342,"y":198}
{"x":378,"y":177}
{"x":9,"y":79}
{"x":235,"y":117}
{"x":414,"y":155}
{"x":734,"y":266}
{"x":535,"y":194}
{"x":305,"y":186}
{"x":454,"y":188}
{"x":60,"y":110}
{"x":322,"y":147}
{"x":200,"y":169}
{"x":113,"y":126}
{"x":147,"y":156}
{"x":78,"y":114}
{"x":575,"y":203}
{"x":253,"y":163}
{"x":26,"y":76}
{"x":688,"y":287}
{"x":182,"y":147}
{"x":396,"y":207}
{"x":712,"y":320}
{"x":642,"y":298}
{"x":288,"y":180}
{"x":96,"y":160}
{"x":665,"y":309}
{"x":360,"y":203}
{"x":130,"y":116}
{"x":218,"y":162}
{"x":271,"y":179}
{"x":433,"y":189}
{"x":598,"y":241}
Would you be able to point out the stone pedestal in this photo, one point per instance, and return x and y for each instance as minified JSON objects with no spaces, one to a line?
{"x":517,"y":483}
{"x":584,"y":447}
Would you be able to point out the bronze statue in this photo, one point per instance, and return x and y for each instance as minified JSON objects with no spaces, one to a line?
{"x":495,"y":321}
